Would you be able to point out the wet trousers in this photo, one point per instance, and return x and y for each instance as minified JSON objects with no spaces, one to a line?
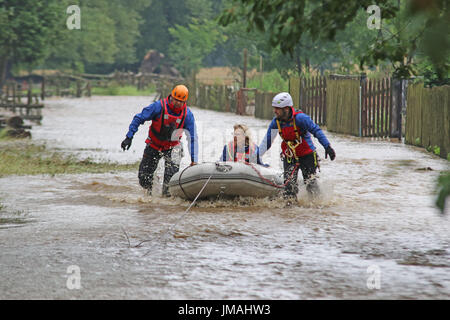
{"x":148,"y":165}
{"x":308,"y":165}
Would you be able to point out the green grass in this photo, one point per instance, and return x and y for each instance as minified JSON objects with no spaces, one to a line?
{"x":116,"y":90}
{"x":111,"y":90}
{"x":269,"y":81}
{"x":23,"y":157}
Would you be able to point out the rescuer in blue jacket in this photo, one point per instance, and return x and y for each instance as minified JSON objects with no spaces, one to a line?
{"x":298,"y":150}
{"x":169,"y":117}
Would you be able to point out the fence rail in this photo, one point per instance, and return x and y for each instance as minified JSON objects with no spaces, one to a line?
{"x":428,"y":118}
{"x":11,"y":101}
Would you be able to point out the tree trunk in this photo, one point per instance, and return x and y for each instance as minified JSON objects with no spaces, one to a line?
{"x":299,"y":65}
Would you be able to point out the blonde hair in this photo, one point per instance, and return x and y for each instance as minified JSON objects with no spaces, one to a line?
{"x":246,"y":130}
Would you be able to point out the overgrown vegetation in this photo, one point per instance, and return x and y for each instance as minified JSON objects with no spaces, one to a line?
{"x":298,"y":36}
{"x":116,"y":90}
{"x":412,"y":35}
{"x":269,"y":81}
{"x":23,"y":157}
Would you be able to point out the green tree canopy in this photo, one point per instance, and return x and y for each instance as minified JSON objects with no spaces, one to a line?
{"x":108,"y":36}
{"x":28,"y":30}
{"x":193,"y":43}
{"x":288,"y":22}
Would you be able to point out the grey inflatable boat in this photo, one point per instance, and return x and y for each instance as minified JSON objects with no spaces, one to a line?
{"x":228,"y":180}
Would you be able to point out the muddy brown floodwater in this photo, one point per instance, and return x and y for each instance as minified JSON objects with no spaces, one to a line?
{"x":374,"y":234}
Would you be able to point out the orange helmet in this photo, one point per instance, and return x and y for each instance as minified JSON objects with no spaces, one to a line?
{"x":180,"y":92}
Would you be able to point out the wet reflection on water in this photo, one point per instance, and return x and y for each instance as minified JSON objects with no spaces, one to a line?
{"x":377,"y":209}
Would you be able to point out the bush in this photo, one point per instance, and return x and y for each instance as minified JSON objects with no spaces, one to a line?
{"x":443,"y":187}
{"x":269,"y":81}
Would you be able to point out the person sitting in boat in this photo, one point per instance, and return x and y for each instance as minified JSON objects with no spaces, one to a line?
{"x":241,"y":148}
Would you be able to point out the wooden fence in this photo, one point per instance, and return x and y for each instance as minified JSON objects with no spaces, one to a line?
{"x":351,"y":104}
{"x":211,"y":97}
{"x":428,"y":118}
{"x":309,"y":95}
{"x":263,"y":105}
{"x":376,"y":107}
{"x":11,"y":100}
{"x":343,"y":106}
{"x":77,"y":85}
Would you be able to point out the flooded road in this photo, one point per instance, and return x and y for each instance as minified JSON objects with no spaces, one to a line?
{"x":375,"y":233}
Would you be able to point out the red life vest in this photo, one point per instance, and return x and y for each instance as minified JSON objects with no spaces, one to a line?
{"x":166,"y":131}
{"x":240,"y":156}
{"x":292,"y":138}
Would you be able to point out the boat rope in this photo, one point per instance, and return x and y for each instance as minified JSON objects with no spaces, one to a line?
{"x":270,"y":181}
{"x":179,"y":219}
{"x":179,"y":183}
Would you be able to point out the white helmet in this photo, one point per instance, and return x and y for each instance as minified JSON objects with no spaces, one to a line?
{"x":282,"y":100}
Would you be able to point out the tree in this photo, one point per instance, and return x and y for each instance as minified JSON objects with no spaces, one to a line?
{"x":157,"y":19}
{"x":287,"y":22}
{"x":28,"y":29}
{"x":415,"y":37}
{"x":193,"y":43}
{"x":107,"y":39}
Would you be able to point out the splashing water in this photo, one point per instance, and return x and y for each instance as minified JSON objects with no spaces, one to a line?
{"x":376,"y":208}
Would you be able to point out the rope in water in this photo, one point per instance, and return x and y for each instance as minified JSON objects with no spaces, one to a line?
{"x":271,"y":182}
{"x":199,"y":193}
{"x":179,"y":219}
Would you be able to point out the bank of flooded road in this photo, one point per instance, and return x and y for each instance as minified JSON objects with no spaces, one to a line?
{"x":374,"y":234}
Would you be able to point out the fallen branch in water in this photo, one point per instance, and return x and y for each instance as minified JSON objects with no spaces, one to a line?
{"x":126,"y":235}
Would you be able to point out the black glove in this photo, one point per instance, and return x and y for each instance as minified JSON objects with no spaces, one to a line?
{"x":330,"y":152}
{"x":126,"y":144}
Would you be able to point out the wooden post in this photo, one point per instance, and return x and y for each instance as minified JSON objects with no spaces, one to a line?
{"x":261,"y":72}
{"x":301,"y":93}
{"x":14,"y":89}
{"x":396,"y":116}
{"x":383,"y":109}
{"x":19,"y":93}
{"x":363,"y":105}
{"x":316,"y":101}
{"x":378,"y":107}
{"x":369,"y":108}
{"x":57,"y":87}
{"x":244,"y":73}
{"x":388,"y":106}
{"x":324,"y":114}
{"x":43,"y":89}
{"x":78,"y":93}
{"x":88,"y":87}
{"x":29,"y":91}
{"x":321,"y":105}
{"x":139,"y":83}
{"x":308,"y":96}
